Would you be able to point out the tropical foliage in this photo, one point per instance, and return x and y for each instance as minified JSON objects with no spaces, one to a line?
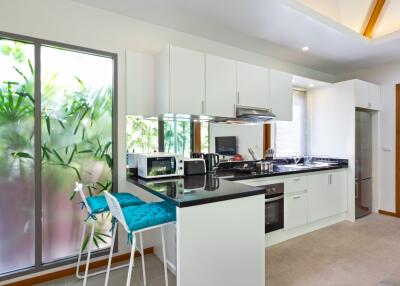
{"x":142,"y":135}
{"x":76,"y":128}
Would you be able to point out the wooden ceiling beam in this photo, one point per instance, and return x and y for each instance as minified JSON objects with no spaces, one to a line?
{"x":373,"y":19}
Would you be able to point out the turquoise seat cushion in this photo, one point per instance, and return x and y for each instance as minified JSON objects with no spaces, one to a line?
{"x":98,"y":204}
{"x":148,"y":215}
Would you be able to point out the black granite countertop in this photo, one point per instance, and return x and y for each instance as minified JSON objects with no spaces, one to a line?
{"x":278,"y":171}
{"x":202,"y":189}
{"x":196,"y":189}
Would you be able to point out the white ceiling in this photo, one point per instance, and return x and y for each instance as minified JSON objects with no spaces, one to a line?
{"x":352,"y":14}
{"x":277,"y":28}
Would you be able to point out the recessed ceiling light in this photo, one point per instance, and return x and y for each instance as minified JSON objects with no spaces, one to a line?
{"x":311,"y":85}
{"x":305,"y":49}
{"x":293,"y":81}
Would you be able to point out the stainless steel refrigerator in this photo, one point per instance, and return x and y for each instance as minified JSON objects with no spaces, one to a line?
{"x":363,"y":178}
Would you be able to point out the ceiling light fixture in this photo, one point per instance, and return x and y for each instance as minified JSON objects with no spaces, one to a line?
{"x":305,"y":49}
{"x":311,"y":85}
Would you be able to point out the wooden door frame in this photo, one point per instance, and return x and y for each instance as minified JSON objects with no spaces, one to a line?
{"x":266,"y":137}
{"x":397,"y":150}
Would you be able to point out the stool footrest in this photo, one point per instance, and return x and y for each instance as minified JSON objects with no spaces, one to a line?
{"x":103,"y":271}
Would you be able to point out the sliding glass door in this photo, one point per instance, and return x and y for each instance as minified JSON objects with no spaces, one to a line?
{"x":17,"y":172}
{"x":76,"y":144}
{"x":69,"y":125}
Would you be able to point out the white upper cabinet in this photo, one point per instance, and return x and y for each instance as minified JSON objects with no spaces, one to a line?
{"x":281,"y":95}
{"x":180,"y":81}
{"x":191,"y":82}
{"x":367,"y":95}
{"x":252,"y":86}
{"x":139,"y":84}
{"x":220,"y":86}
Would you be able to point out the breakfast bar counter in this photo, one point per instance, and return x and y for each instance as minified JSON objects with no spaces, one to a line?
{"x":196,"y":189}
{"x":219,"y":235}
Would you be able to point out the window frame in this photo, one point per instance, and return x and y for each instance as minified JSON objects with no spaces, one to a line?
{"x":38,"y":43}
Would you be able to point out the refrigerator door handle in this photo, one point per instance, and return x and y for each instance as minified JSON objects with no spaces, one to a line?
{"x":356,"y":194}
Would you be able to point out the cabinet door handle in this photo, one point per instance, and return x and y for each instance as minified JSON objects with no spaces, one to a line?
{"x":202,"y":107}
{"x":356,"y":193}
{"x":296,"y":197}
{"x":297,"y":179}
{"x":238,"y":98}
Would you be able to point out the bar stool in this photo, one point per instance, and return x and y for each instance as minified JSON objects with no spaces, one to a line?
{"x":94,"y":206}
{"x":136,"y":220}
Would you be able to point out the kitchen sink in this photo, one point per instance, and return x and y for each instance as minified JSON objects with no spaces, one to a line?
{"x":304,"y":166}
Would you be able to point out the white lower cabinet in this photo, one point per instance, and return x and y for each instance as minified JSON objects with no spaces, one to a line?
{"x":337,"y":189}
{"x":327,"y":195}
{"x":309,"y":198}
{"x":295,"y":209}
{"x":318,"y":201}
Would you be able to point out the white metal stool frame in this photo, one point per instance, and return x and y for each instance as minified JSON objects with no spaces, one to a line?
{"x":79,"y":189}
{"x":117,"y":213}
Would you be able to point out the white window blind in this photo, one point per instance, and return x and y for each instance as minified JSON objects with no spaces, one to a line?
{"x":291,"y":136}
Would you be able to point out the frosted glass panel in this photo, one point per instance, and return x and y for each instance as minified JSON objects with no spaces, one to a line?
{"x":17,"y":224}
{"x":76,"y":145}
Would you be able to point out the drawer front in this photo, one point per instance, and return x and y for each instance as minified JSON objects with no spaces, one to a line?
{"x":296,"y":184}
{"x":295,"y":210}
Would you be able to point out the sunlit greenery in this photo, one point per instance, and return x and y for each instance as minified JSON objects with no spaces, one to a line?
{"x":76,"y":131}
{"x":142,"y":135}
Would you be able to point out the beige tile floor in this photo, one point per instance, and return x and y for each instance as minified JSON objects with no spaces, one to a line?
{"x":350,"y":254}
{"x":346,"y":254}
{"x":154,"y":273}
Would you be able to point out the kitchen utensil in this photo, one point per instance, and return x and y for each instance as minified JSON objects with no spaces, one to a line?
{"x":253,"y":154}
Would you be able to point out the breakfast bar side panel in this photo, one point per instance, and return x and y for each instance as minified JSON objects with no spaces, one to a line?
{"x":222,"y":243}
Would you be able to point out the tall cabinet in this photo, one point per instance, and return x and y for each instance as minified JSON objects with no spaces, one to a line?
{"x":333,"y":127}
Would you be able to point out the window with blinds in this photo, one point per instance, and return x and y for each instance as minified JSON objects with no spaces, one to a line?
{"x":290,"y":137}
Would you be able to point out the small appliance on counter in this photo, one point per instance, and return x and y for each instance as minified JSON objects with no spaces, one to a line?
{"x":131,"y":164}
{"x":194,"y":166}
{"x":159,"y":165}
{"x":211,"y":159}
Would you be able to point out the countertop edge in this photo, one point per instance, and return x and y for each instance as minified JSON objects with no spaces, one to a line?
{"x":253,"y":192}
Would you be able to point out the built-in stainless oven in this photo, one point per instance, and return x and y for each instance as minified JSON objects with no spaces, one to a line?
{"x":274,"y":196}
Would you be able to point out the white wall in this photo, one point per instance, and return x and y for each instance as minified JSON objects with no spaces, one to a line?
{"x":247,"y":136}
{"x":387,"y":76}
{"x":72,"y":23}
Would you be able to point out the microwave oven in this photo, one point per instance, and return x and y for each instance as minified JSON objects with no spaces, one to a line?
{"x":159,"y":165}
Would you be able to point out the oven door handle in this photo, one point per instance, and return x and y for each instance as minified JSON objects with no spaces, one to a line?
{"x":274,"y":199}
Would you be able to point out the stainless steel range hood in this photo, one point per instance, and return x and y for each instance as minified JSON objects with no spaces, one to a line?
{"x":244,"y":115}
{"x":255,"y":115}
